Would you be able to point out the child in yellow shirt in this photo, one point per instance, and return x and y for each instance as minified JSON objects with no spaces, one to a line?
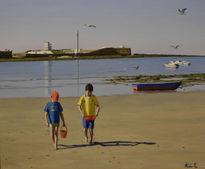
{"x":89,"y":108}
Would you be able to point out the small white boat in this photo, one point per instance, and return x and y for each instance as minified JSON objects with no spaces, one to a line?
{"x":185,"y":63}
{"x":180,"y":63}
{"x":171,"y":65}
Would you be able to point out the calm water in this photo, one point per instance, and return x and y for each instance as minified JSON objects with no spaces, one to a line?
{"x":37,"y":79}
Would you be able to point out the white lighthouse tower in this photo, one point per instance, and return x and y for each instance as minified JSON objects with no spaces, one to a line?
{"x":47,"y":46}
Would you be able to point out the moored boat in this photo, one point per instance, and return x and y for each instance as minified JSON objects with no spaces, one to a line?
{"x":155,"y":86}
{"x":185,"y":63}
{"x":171,"y":65}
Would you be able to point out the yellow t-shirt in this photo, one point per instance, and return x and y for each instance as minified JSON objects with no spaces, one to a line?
{"x":88,"y":104}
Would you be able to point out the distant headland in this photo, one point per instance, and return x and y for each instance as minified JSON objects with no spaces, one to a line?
{"x":72,"y":54}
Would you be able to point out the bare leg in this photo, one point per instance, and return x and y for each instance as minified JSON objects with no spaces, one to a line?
{"x":52,"y":135}
{"x":86,"y":134}
{"x":56,"y":137}
{"x":91,"y":136}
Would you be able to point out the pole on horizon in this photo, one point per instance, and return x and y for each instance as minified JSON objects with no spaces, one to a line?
{"x":77,"y":49}
{"x":76,"y":54}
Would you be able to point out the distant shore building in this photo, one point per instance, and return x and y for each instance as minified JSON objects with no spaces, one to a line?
{"x":47,"y":46}
{"x":39,"y":52}
{"x":68,"y":51}
{"x":6,"y":54}
{"x":105,"y":51}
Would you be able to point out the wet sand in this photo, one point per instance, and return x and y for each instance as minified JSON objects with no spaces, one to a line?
{"x":159,"y":130}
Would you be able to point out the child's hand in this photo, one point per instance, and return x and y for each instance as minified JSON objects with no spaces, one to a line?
{"x":47,"y":124}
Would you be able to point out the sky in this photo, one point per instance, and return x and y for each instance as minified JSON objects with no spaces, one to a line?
{"x":146,"y":26}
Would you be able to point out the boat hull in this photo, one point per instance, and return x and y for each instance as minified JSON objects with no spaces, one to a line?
{"x":156,"y":86}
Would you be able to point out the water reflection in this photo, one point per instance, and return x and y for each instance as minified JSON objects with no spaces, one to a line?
{"x":48,"y":77}
{"x":78,"y":77}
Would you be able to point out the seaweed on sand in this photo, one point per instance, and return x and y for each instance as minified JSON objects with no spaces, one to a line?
{"x":186,"y":79}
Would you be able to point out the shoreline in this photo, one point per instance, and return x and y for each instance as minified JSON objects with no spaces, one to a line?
{"x":114,"y":95}
{"x":141,"y":93}
{"x":54,"y":58}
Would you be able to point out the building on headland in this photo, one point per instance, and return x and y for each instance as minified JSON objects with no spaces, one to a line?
{"x":6,"y":54}
{"x":46,"y":52}
{"x":47,"y":46}
{"x":49,"y":52}
{"x":39,"y":52}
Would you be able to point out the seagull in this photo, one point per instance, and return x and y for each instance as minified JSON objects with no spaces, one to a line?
{"x":182,"y":11}
{"x":137,"y":67}
{"x":90,"y":26}
{"x":175,"y":47}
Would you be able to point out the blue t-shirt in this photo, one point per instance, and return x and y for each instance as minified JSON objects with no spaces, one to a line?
{"x":53,"y":109}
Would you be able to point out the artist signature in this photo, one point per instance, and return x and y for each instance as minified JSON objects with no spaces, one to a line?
{"x":190,"y":165}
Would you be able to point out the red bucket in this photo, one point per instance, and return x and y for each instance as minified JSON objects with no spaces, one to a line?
{"x":90,"y":117}
{"x":63,"y":131}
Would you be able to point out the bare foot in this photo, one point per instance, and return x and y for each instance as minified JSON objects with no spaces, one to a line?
{"x":91,"y":142}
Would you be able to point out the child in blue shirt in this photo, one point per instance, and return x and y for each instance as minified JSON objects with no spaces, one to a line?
{"x":53,"y":112}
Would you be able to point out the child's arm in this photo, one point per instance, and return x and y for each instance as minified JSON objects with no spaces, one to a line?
{"x":62,"y":118}
{"x":97,"y":110}
{"x":81,"y":110}
{"x":46,"y":118}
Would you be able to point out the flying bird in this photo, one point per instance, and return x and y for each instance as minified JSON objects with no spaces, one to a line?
{"x":90,"y":26}
{"x":175,"y":47}
{"x":137,"y":67}
{"x":182,"y":11}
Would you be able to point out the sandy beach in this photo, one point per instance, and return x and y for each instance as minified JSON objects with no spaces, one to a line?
{"x":149,"y":131}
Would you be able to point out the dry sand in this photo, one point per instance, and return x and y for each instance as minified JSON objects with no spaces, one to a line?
{"x":151,"y":131}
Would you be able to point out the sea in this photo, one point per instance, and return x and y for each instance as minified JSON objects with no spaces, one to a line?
{"x":69,"y":77}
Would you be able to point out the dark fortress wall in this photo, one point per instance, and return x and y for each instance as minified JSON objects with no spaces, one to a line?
{"x":110,"y":51}
{"x":5,"y":54}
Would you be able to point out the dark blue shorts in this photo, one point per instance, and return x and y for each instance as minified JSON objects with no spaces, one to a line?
{"x":88,"y":123}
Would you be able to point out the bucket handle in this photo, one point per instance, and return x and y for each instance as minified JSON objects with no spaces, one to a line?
{"x":64,"y":127}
